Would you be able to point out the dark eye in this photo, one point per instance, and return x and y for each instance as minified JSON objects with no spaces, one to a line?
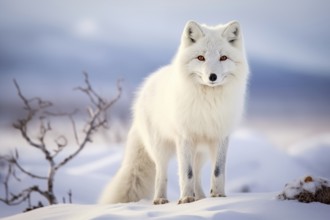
{"x":201,"y":58}
{"x":223,"y":58}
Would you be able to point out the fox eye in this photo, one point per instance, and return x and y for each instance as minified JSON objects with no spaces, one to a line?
{"x":223,"y":58}
{"x":201,"y":58}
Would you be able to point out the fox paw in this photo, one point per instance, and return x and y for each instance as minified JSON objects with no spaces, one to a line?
{"x":160,"y":201}
{"x":214,"y":194}
{"x":217,"y":195}
{"x":187,"y":199}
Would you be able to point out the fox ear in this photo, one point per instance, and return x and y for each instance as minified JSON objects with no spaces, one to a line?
{"x":232,"y":32}
{"x":192,"y":32}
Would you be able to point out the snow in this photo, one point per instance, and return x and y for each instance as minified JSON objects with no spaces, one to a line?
{"x":297,"y":186}
{"x":254,"y":166}
{"x":237,"y":206}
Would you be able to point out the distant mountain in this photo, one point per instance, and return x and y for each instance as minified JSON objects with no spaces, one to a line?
{"x":281,"y":88}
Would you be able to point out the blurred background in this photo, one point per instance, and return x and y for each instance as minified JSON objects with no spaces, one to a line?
{"x":45,"y":46}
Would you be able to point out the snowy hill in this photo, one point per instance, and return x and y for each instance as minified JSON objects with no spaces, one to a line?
{"x":254,"y":166}
{"x":239,"y":206}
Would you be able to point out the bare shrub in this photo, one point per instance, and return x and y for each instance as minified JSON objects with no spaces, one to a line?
{"x":41,"y":111}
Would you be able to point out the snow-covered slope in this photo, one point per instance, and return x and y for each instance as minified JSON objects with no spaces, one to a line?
{"x":238,"y":206}
{"x":254,"y":166}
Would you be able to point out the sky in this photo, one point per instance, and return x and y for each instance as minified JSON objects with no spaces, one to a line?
{"x":45,"y":46}
{"x":64,"y":37}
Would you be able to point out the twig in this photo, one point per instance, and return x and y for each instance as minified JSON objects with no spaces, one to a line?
{"x":16,"y":163}
{"x":37,"y":109}
{"x":103,"y":106}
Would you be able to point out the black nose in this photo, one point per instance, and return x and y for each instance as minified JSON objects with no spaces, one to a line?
{"x":213,"y":77}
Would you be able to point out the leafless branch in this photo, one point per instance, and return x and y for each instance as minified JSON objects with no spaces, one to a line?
{"x":15,"y":162}
{"x":38,"y":109}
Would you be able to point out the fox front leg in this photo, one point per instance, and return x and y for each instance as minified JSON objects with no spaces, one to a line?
{"x":160,"y":196}
{"x":219,"y":168}
{"x":185,"y":153}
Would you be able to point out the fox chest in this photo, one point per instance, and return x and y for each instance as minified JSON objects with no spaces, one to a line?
{"x":209,"y":118}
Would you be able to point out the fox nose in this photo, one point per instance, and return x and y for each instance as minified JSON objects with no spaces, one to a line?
{"x":213,"y":77}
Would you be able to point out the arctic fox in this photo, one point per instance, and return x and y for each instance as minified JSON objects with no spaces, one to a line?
{"x":188,"y":108}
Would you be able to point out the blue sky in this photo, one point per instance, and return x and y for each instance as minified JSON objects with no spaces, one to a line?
{"x":46,"y":45}
{"x":41,"y":33}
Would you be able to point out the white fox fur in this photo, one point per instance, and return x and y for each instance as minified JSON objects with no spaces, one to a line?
{"x":188,"y":108}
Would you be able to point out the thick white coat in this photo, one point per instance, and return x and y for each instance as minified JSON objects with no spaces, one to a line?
{"x":181,"y":109}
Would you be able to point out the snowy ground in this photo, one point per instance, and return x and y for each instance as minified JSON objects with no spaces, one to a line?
{"x":254,"y":166}
{"x":240,"y":206}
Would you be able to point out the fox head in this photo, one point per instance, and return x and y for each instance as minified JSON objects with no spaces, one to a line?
{"x":212,"y":56}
